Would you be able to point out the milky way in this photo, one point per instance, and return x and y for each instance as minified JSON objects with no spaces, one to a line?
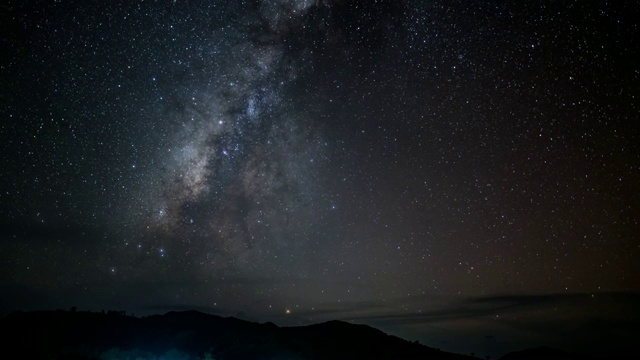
{"x":241,"y":163}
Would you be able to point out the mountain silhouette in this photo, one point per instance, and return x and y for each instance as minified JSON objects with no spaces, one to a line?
{"x":194,"y":335}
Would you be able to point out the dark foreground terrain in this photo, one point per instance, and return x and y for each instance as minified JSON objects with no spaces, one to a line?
{"x":194,"y":335}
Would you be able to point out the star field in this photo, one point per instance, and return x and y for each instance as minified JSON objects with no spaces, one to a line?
{"x":413,"y":165}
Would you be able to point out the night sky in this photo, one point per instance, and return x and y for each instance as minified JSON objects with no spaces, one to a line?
{"x":463,"y":173}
